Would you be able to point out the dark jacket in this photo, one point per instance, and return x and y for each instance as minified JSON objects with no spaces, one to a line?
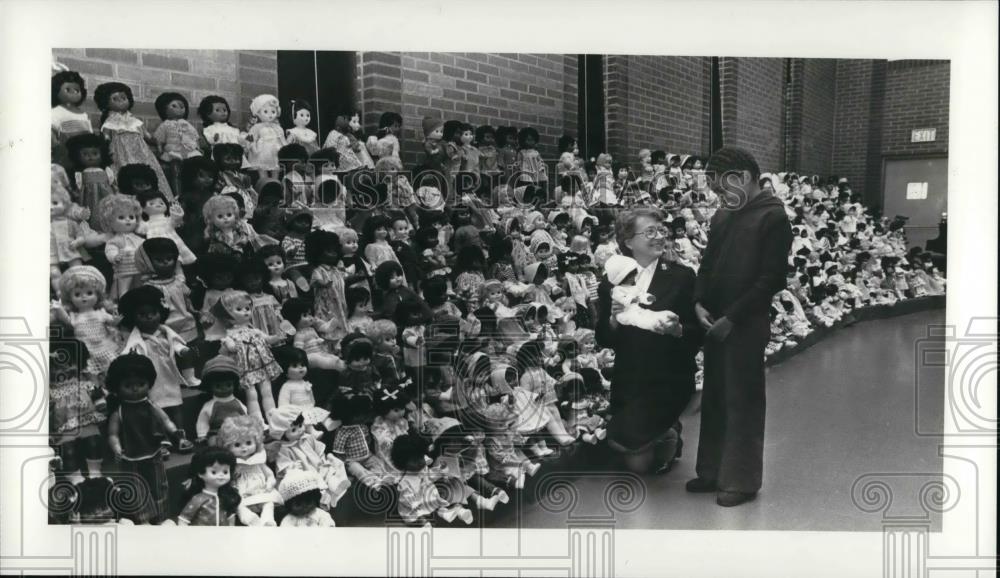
{"x":746,"y":260}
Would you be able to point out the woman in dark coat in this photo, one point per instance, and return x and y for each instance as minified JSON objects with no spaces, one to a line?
{"x":653,"y":378}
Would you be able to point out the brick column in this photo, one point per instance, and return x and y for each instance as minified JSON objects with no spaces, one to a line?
{"x":616,"y":105}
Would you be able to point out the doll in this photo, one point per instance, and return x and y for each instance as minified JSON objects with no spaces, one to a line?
{"x":301,"y":492}
{"x":143,"y":314}
{"x":93,"y":177}
{"x":507,"y":149}
{"x":569,"y":152}
{"x":215,"y":112}
{"x":359,"y":309}
{"x":432,"y":263}
{"x":81,"y":293}
{"x":248,"y":346}
{"x":298,"y":224}
{"x":297,"y":391}
{"x":265,"y":135}
{"x":128,"y":139}
{"x":269,"y":216}
{"x":469,"y":153}
{"x":390,"y":423}
{"x":529,"y":161}
{"x":309,"y":334}
{"x":387,"y":356}
{"x":621,"y":271}
{"x":210,"y":498}
{"x":220,"y":376}
{"x":198,"y":183}
{"x":489,"y":156}
{"x":535,"y":399}
{"x":327,"y":282}
{"x":342,"y":139}
{"x":459,"y":454}
{"x":587,"y":357}
{"x":418,"y":495}
{"x":162,"y":219}
{"x":298,"y":181}
{"x":436,"y":156}
{"x":217,"y":273}
{"x":392,"y":289}
{"x":227,"y":232}
{"x":156,"y":261}
{"x":577,"y":410}
{"x":272,"y":259}
{"x":75,"y":407}
{"x":376,"y":241}
{"x":120,"y":219}
{"x":69,"y":91}
{"x":302,"y":134}
{"x":137,"y":435}
{"x":265,"y":309}
{"x":412,"y":316}
{"x":228,"y":158}
{"x":66,"y":237}
{"x":399,"y":241}
{"x":508,"y":464}
{"x":253,"y":479}
{"x":176,"y":137}
{"x":356,"y":137}
{"x":385,"y":144}
{"x":353,"y":443}
{"x":299,"y":450}
{"x":360,"y":377}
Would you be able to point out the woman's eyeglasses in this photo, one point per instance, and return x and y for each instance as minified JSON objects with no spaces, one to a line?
{"x":654,"y":232}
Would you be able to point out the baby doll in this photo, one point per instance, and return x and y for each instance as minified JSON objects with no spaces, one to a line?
{"x":127,"y":136}
{"x":93,"y":177}
{"x":81,"y":293}
{"x":301,"y":493}
{"x":66,"y":237}
{"x":302,"y":134}
{"x":418,"y":496}
{"x":210,"y":498}
{"x":327,"y":282}
{"x":162,"y":219}
{"x":489,"y":159}
{"x":120,"y":219}
{"x":621,"y":271}
{"x":69,"y":91}
{"x":309,"y":334}
{"x":529,"y":161}
{"x":248,"y":346}
{"x":385,"y":144}
{"x":272,"y":260}
{"x":214,"y":112}
{"x":143,"y":314}
{"x":301,"y":451}
{"x":137,"y":432}
{"x":577,"y":410}
{"x":227,"y":232}
{"x":220,"y":376}
{"x":353,"y":443}
{"x":265,"y":135}
{"x":253,"y":479}
{"x":265,"y":309}
{"x":229,"y":160}
{"x":176,"y":137}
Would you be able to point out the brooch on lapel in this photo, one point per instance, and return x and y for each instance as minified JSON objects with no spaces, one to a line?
{"x":664,"y":266}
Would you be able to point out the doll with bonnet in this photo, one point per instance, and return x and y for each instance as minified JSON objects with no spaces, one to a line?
{"x":301,"y":491}
{"x":300,"y":452}
{"x":265,"y":135}
{"x":621,"y":271}
{"x":253,"y":479}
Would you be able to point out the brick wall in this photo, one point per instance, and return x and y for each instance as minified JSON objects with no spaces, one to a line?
{"x":916,"y":96}
{"x":852,"y":120}
{"x":753,"y":112}
{"x":657,"y":102}
{"x":537,"y":90}
{"x":237,"y":76}
{"x":810,"y":106}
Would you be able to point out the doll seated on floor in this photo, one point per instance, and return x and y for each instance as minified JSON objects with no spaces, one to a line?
{"x":622,"y":272}
{"x":300,"y":451}
{"x":254,"y":480}
{"x":577,"y":410}
{"x":418,"y":495}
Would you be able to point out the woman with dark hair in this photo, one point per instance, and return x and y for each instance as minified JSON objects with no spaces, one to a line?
{"x":654,"y":371}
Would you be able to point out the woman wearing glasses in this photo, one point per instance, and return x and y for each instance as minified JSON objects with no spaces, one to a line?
{"x":654,"y":370}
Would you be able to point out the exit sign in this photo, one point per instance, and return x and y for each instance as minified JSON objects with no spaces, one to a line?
{"x":923,"y":135}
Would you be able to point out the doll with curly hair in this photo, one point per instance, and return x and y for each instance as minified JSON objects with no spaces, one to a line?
{"x":93,"y":177}
{"x":81,"y":293}
{"x":227,"y":232}
{"x":265,"y":136}
{"x":120,"y":218}
{"x":254,"y":480}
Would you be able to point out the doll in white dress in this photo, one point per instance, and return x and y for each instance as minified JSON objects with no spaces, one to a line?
{"x":162,"y":220}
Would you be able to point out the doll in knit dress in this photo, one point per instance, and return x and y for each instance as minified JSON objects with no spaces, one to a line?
{"x":177,"y":138}
{"x":127,"y":135}
{"x":248,"y":346}
{"x":254,"y":480}
{"x":265,"y":136}
{"x":120,"y":216}
{"x":81,"y":293}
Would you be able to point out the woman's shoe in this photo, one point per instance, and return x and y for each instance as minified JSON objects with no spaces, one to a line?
{"x":700,"y":486}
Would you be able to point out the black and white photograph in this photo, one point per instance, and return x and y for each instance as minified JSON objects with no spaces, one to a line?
{"x":424,"y":299}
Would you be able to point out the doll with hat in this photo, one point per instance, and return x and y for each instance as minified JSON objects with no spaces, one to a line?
{"x":220,"y":376}
{"x":253,"y":479}
{"x":302,"y":493}
{"x":298,"y":451}
{"x":621,"y":272}
{"x":265,"y":135}
{"x":419,"y":498}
